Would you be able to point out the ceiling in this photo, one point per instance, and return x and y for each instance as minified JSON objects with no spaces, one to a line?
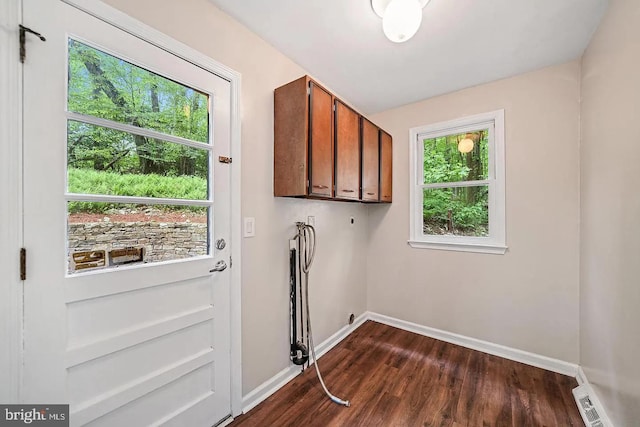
{"x":461,"y":43}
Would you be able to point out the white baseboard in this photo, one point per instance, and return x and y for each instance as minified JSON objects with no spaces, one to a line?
{"x":539,"y":361}
{"x":581,"y":377}
{"x":267,"y":388}
{"x":584,"y":387}
{"x":273,"y":384}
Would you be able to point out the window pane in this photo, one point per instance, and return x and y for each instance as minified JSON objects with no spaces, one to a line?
{"x":111,"y":162}
{"x":107,"y":87}
{"x":457,"y":157}
{"x":103,"y":235}
{"x":459,"y":211}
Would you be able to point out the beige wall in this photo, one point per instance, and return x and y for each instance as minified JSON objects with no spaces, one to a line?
{"x":337,"y":283}
{"x":610,"y":248}
{"x":527,"y":298}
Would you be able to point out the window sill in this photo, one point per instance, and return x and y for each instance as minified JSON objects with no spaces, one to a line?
{"x":460,"y":247}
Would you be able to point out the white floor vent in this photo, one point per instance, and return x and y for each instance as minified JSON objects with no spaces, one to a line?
{"x":592,"y":415}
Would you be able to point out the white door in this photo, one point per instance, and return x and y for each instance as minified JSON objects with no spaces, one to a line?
{"x":125,"y":206}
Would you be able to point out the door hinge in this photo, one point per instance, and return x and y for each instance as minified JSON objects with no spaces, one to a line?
{"x":23,"y":39}
{"x":230,"y":261}
{"x":23,"y":264}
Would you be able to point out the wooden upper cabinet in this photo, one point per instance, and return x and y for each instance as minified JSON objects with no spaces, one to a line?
{"x":320,"y":142}
{"x":347,"y":147}
{"x":370,"y":161}
{"x":324,"y":149}
{"x":386,"y":171}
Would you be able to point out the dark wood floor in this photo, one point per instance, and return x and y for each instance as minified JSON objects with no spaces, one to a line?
{"x":397,"y":378}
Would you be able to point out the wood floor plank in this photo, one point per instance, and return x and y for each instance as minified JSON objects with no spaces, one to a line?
{"x":496,"y":402}
{"x":396,"y":378}
{"x":472,"y":386}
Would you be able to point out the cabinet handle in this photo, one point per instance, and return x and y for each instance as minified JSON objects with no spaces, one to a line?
{"x":320,"y":186}
{"x":371,"y":194}
{"x":348,"y":191}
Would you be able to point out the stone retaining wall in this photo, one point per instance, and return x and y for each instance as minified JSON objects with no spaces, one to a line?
{"x":161,"y":241}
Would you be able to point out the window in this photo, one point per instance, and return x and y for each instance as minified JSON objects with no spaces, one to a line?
{"x":138,"y":164}
{"x":457,"y":186}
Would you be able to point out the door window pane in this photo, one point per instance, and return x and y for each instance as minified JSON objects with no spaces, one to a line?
{"x":459,"y":211}
{"x":111,"y":162}
{"x":103,"y":235}
{"x":104,"y":86}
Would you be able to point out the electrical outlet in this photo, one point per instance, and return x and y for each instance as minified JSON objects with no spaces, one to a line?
{"x":311,"y":220}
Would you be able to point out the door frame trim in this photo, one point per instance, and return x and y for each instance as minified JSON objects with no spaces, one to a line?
{"x":10,"y":203}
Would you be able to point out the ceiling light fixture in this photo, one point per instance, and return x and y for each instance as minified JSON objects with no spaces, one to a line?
{"x":401,"y":19}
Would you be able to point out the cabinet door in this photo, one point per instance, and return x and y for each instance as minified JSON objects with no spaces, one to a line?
{"x":385,"y":167}
{"x":291,"y":139}
{"x":347,"y":152}
{"x":370,"y":161}
{"x":320,"y":142}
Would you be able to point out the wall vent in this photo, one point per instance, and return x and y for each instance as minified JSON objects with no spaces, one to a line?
{"x":588,"y":410}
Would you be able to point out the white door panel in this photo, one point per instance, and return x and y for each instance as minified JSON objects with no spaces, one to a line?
{"x":190,"y":395}
{"x":93,"y":319}
{"x":133,"y":345}
{"x":136,"y":362}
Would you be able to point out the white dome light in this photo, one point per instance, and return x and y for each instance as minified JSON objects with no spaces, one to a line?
{"x":402,"y":19}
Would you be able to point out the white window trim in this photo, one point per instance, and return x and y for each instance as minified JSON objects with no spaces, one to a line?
{"x":495,"y":243}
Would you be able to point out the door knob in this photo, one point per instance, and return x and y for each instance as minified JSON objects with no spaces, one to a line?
{"x":220,"y":266}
